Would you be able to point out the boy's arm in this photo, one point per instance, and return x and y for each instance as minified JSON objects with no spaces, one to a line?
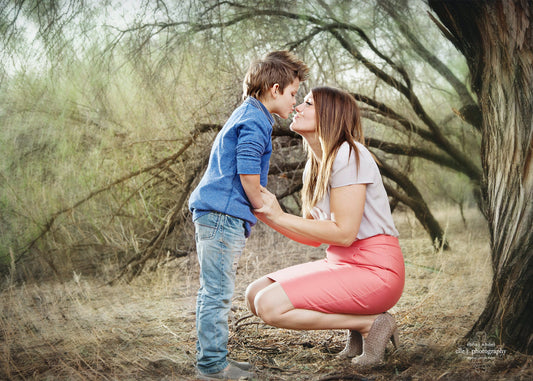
{"x":252,"y":188}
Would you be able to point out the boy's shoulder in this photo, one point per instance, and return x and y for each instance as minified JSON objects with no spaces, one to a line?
{"x":252,"y":111}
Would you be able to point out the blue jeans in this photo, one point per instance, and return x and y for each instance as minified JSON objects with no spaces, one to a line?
{"x":219,"y":243}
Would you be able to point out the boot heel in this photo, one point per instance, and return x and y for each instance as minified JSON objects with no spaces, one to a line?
{"x":395,"y":338}
{"x":354,"y":345}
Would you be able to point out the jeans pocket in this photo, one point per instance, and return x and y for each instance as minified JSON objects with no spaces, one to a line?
{"x":206,"y":226}
{"x":234,"y":228}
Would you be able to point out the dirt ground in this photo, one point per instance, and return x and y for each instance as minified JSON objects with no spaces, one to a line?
{"x":83,"y":329}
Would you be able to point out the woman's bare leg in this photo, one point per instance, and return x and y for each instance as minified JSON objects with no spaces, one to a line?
{"x":252,"y":290}
{"x":272,"y":304}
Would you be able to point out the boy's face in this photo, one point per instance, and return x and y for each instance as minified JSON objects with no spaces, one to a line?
{"x":283,"y":104}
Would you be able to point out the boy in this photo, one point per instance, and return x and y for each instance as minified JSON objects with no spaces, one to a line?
{"x":223,"y":201}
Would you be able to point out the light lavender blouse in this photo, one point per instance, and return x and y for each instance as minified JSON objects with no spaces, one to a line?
{"x":377,"y":217}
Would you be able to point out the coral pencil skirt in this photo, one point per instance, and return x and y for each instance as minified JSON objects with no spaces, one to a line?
{"x":363,"y":279}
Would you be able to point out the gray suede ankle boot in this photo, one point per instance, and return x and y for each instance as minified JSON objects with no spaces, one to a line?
{"x":383,"y":329}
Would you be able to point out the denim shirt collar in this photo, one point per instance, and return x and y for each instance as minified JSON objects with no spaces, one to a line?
{"x":254,"y":102}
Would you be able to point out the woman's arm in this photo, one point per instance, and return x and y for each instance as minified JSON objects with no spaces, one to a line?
{"x":252,"y":188}
{"x":287,"y":233}
{"x":346,"y":205}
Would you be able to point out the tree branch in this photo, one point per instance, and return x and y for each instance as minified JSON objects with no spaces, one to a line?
{"x":414,"y":200}
{"x":439,"y":137}
{"x":383,"y":109}
{"x":426,"y":55}
{"x":334,"y":29}
{"x":50,"y":222}
{"x":412,"y":151}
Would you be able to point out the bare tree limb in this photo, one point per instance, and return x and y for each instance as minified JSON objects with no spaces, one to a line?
{"x":335,"y":30}
{"x":50,"y":222}
{"x":388,"y":112}
{"x":136,"y":264}
{"x":413,"y":151}
{"x":414,"y":200}
{"x":458,"y":85}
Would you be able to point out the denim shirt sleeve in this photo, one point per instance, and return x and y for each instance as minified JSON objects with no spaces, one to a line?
{"x":253,"y":139}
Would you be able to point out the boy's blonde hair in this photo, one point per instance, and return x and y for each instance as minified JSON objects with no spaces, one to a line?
{"x":281,"y":67}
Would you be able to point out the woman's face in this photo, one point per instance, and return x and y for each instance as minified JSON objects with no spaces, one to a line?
{"x":304,"y":121}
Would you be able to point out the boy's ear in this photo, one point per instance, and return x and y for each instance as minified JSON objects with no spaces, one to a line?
{"x":274,"y":90}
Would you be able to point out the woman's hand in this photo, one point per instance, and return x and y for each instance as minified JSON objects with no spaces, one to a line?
{"x":271,"y":209}
{"x":272,"y":215}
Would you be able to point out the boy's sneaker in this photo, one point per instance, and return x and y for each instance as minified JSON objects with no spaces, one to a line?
{"x":242,"y":365}
{"x":232,"y":372}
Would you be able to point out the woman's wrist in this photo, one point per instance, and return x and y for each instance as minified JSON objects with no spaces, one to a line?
{"x":281,"y":219}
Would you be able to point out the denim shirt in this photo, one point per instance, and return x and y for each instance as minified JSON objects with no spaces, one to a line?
{"x":242,"y":147}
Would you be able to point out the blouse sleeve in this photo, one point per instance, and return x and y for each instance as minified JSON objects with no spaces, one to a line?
{"x":346,"y":170}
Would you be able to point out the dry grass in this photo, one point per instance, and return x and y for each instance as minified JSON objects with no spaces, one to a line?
{"x":80,"y":329}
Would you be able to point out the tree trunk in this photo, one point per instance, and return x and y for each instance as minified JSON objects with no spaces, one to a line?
{"x":496,"y":37}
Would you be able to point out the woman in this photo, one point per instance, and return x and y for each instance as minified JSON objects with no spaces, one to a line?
{"x":345,"y":206}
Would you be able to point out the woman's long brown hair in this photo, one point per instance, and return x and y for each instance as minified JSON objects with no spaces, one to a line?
{"x":338,"y":121}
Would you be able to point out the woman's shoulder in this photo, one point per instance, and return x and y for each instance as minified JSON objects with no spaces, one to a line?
{"x":351,"y":168}
{"x":345,"y":152}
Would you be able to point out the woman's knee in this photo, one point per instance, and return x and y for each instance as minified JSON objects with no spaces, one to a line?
{"x":249,"y":295}
{"x":264,"y":308}
{"x":270,"y":305}
{"x":252,"y":290}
